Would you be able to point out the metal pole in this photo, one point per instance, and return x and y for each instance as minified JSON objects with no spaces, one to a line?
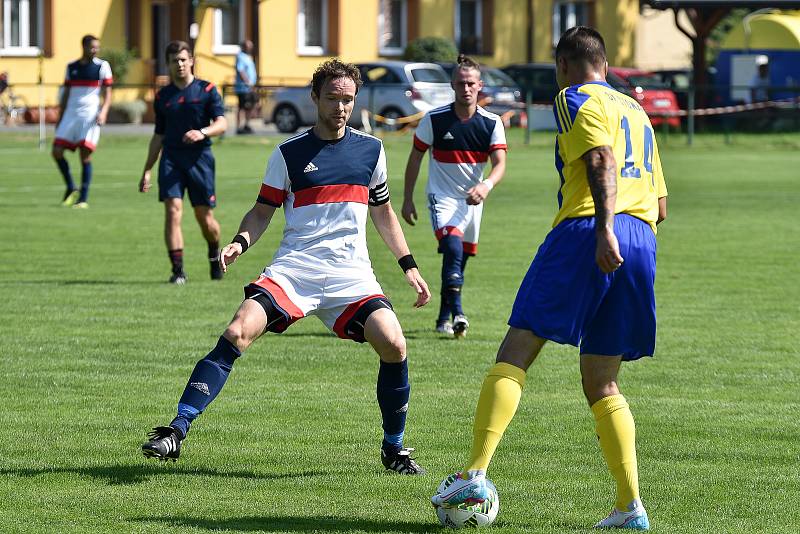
{"x":690,"y":116}
{"x":42,"y":132}
{"x":528,"y":100}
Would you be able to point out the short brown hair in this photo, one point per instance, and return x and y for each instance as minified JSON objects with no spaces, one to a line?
{"x":334,"y":68}
{"x":176,"y":47}
{"x":466,"y":62}
{"x":88,"y":38}
{"x":582,"y":43}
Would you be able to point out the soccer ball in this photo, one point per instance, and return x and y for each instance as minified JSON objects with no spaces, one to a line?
{"x":468,"y":515}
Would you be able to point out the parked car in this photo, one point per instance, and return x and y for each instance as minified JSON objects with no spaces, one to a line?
{"x":682,"y":80}
{"x":652,"y":94}
{"x":392,"y":89}
{"x":537,"y":78}
{"x":499,"y":89}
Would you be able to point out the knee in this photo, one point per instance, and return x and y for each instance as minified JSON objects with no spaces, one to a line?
{"x":57,"y":153}
{"x":596,"y":388}
{"x":235,"y":333}
{"x":174,"y":212}
{"x":393,"y":350}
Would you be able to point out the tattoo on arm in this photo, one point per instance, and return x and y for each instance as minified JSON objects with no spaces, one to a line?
{"x":601,"y":172}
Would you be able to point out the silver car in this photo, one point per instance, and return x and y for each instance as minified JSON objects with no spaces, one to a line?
{"x":392,"y":90}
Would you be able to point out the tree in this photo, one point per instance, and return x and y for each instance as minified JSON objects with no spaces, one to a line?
{"x":431,"y":50}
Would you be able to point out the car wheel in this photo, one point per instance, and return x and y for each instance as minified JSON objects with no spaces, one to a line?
{"x":286,"y":119}
{"x":393,"y":114}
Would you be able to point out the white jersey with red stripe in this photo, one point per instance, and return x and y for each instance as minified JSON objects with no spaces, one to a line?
{"x":325,"y":188}
{"x":459,"y":148}
{"x":84,"y":81}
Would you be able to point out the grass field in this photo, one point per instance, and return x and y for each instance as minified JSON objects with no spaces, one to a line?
{"x":96,"y":349}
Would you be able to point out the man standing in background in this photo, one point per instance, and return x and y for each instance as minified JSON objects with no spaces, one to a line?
{"x":246,"y":79}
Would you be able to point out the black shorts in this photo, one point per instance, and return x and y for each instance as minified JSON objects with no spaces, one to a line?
{"x":247,"y":100}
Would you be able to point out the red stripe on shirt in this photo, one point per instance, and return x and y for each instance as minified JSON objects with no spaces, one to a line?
{"x":325,"y":194}
{"x":339,"y":327}
{"x":272,"y":195}
{"x":492,"y":148}
{"x":420,"y":145}
{"x":460,"y":156}
{"x":82,"y":83}
{"x":209,"y":87}
{"x":448,"y":230}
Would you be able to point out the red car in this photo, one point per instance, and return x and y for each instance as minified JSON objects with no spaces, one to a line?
{"x":649,"y":90}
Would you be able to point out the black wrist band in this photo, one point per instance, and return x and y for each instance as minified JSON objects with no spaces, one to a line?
{"x":407,"y":262}
{"x":239,"y":238}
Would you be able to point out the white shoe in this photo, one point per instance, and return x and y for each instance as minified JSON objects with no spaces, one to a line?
{"x":635,"y":518}
{"x":460,"y":325}
{"x":445,"y":328}
{"x":463,"y":490}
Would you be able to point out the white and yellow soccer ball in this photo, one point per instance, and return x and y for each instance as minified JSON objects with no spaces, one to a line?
{"x":466,"y":514}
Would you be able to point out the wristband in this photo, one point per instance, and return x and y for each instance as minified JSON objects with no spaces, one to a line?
{"x":239,"y":238}
{"x":489,"y":184}
{"x":407,"y":263}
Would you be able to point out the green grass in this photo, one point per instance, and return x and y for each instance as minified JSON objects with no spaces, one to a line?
{"x":96,"y":348}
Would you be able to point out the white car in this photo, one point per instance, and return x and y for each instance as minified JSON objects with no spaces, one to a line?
{"x":392,"y":89}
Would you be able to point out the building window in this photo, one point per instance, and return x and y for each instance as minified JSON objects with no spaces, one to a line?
{"x":228,"y":28}
{"x":393,"y":27}
{"x":22,"y":27}
{"x":469,"y":26}
{"x":312,"y":27}
{"x":567,"y":15}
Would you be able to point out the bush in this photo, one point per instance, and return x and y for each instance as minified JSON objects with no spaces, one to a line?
{"x":120,"y":60}
{"x":431,"y":49}
{"x":127,"y":112}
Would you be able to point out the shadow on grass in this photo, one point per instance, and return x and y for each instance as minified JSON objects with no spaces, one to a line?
{"x":292,"y":524}
{"x":137,"y":474}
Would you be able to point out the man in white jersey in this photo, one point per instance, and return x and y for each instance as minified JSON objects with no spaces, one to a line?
{"x":462,"y":137}
{"x":328,"y":180}
{"x":80,"y":117}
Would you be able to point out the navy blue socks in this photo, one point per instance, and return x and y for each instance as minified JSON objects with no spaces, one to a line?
{"x":393,"y":393}
{"x":452,"y":250}
{"x":63,"y":166}
{"x":86,"y":181}
{"x":206,"y":382}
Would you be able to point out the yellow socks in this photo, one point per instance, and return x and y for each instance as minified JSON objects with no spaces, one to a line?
{"x":617,"y":432}
{"x":500,"y":394}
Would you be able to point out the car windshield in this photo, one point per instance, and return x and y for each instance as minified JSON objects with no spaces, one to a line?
{"x":647,"y":81}
{"x":427,"y":74}
{"x":497,"y":78}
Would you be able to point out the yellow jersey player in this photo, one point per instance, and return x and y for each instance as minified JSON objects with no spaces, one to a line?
{"x":591,"y":282}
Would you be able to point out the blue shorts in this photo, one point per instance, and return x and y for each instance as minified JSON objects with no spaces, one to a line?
{"x":187,"y":170}
{"x":566,"y":298}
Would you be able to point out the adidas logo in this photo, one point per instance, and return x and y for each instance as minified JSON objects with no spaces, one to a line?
{"x":402,"y":409}
{"x":448,"y":136}
{"x":202,"y":387}
{"x":310,"y":168}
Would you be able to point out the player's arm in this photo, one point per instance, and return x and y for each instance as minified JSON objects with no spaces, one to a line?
{"x":478,"y":193}
{"x":601,"y":172}
{"x":62,"y":104}
{"x":389,"y":229}
{"x":409,"y":210}
{"x":102,"y":116}
{"x":253,"y":225}
{"x":217,"y":127}
{"x":662,"y":209}
{"x":153,"y":152}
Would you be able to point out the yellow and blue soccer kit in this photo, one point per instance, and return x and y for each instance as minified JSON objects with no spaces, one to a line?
{"x":565,"y":297}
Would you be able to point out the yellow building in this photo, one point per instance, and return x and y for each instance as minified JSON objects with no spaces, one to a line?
{"x":291,"y":36}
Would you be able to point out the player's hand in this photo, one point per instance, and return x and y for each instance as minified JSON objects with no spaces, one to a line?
{"x":477,"y":194}
{"x":607,"y":253}
{"x":415,"y":280}
{"x":229,"y":255}
{"x":102,"y":117}
{"x":409,"y":212}
{"x":193,"y":136}
{"x":144,"y":183}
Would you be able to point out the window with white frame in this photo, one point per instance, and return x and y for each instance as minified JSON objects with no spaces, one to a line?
{"x":228,"y":28}
{"x":567,"y":15}
{"x":312,"y":27}
{"x":468,"y":26}
{"x":22,"y":27}
{"x":392,"y":27}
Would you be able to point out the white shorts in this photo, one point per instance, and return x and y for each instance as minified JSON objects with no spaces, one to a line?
{"x":333,"y":295}
{"x":453,"y":216}
{"x":75,"y":131}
